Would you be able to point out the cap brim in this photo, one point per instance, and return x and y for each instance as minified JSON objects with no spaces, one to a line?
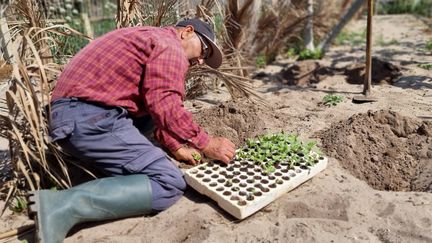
{"x":215,"y":60}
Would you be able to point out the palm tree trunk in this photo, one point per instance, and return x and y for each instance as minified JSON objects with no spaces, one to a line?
{"x":325,"y":43}
{"x":309,"y":37}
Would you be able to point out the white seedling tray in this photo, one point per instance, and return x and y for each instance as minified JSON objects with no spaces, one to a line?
{"x":241,"y":188}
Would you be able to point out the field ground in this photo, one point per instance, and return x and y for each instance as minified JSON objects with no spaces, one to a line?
{"x":377,"y":186}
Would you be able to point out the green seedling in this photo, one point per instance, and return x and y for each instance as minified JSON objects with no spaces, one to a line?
{"x":295,"y":160}
{"x":261,"y":61}
{"x":18,"y":205}
{"x":427,"y":66}
{"x":228,"y":183}
{"x":267,"y":150}
{"x":268,"y":168}
{"x":429,"y":45}
{"x":310,"y":54}
{"x":307,"y":148}
{"x":332,"y":100}
{"x":196,"y":156}
{"x":291,"y":53}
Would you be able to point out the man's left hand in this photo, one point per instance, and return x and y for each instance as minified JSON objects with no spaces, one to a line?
{"x":190,"y":155}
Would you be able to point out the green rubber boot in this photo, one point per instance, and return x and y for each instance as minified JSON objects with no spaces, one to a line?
{"x":102,"y":199}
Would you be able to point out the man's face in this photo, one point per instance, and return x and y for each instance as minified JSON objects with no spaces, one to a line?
{"x":196,"y":47}
{"x":204,"y":53}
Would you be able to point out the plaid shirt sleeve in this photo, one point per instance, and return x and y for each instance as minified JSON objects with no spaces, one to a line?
{"x":163,"y":90}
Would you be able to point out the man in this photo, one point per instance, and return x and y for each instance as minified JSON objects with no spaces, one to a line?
{"x":104,"y":101}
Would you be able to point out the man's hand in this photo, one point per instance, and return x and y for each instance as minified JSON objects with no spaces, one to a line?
{"x":192,"y":156}
{"x":220,"y":148}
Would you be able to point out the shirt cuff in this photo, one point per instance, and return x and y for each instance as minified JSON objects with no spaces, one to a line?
{"x":200,"y":141}
{"x":167,"y":140}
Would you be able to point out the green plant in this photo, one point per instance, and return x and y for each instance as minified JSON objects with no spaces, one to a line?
{"x":427,"y":66}
{"x":332,"y":100}
{"x":196,"y":156}
{"x":422,"y":7}
{"x":103,"y":26}
{"x":18,"y":205}
{"x":64,"y":46}
{"x":310,"y":54}
{"x":269,"y":149}
{"x":429,"y":45}
{"x":261,"y":61}
{"x":291,"y":53}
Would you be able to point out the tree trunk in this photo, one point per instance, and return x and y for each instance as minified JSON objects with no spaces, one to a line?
{"x":253,"y":26}
{"x":309,"y":37}
{"x":325,"y":43}
{"x":126,"y":12}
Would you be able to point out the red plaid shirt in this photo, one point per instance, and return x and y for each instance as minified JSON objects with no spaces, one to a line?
{"x":141,"y":69}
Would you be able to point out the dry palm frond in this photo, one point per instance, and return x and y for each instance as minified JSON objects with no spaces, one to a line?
{"x":276,"y":26}
{"x":238,"y":86}
{"x":36,"y":162}
{"x":237,"y":18}
{"x":5,"y":71}
{"x":154,"y":13}
{"x":163,"y":10}
{"x":127,"y":13}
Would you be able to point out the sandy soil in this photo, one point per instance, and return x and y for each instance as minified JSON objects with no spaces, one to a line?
{"x":377,"y":185}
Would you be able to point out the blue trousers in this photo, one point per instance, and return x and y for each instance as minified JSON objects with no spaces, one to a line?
{"x":109,"y":139}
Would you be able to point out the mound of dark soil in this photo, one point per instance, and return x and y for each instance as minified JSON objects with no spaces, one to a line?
{"x":237,"y":120}
{"x":304,"y":73}
{"x":382,"y":72}
{"x":383,"y":148}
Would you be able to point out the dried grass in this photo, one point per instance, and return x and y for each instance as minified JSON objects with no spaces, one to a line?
{"x":36,"y":162}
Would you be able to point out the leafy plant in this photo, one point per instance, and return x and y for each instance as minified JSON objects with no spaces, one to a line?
{"x":268,"y":168}
{"x":18,"y":205}
{"x":196,"y":156}
{"x":269,"y":149}
{"x":422,"y":7}
{"x":429,"y":45}
{"x":427,"y":66}
{"x":291,"y":53}
{"x":332,"y":100}
{"x":310,"y":54}
{"x":261,"y":61}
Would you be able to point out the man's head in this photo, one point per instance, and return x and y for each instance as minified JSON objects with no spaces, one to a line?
{"x":199,"y":43}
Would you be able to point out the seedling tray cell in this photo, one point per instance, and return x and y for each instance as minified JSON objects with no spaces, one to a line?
{"x":242,"y":188}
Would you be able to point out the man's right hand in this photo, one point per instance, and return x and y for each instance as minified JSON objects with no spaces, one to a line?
{"x":220,"y":148}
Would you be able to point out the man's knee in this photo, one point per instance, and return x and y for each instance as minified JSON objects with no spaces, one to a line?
{"x":167,"y":183}
{"x":164,"y":195}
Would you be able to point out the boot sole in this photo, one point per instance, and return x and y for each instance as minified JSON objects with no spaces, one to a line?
{"x":34,"y":209}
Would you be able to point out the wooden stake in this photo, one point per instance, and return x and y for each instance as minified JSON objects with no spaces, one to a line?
{"x":18,"y":231}
{"x":368,"y":72}
{"x":367,"y":84}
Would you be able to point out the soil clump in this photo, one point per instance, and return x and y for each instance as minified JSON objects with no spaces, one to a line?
{"x":304,"y":73}
{"x":238,"y":120}
{"x":383,"y":148}
{"x":309,"y":72}
{"x":383,"y":72}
